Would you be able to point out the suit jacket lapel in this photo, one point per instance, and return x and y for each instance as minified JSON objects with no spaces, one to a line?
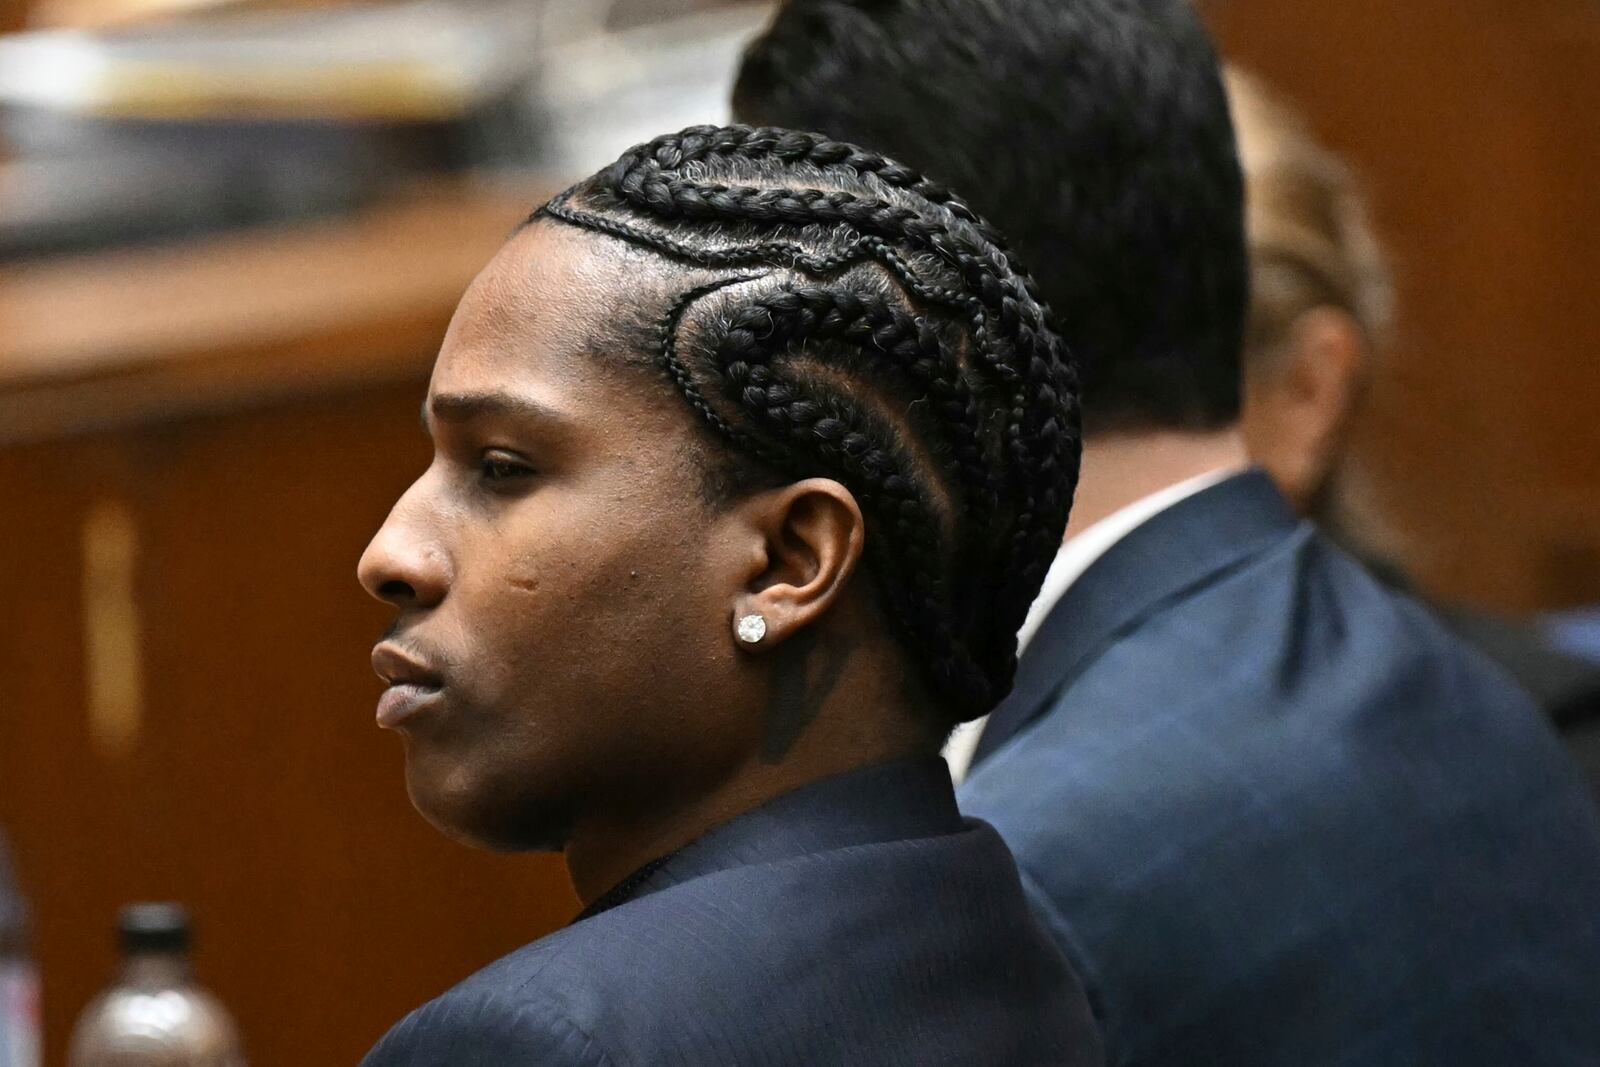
{"x":1162,"y":560}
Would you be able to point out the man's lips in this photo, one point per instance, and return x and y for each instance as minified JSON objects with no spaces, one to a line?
{"x":400,"y":702}
{"x":413,"y":685}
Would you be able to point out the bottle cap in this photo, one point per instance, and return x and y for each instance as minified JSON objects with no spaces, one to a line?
{"x":153,"y":928}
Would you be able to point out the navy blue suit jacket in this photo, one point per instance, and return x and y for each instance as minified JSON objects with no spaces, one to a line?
{"x":1276,"y":815}
{"x":857,"y":921}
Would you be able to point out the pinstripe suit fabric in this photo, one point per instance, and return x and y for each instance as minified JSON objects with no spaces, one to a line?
{"x":857,"y":921}
{"x":1277,"y":816}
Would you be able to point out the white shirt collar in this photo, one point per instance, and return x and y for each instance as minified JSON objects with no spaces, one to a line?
{"x":1076,"y":556}
{"x":1078,"y":553}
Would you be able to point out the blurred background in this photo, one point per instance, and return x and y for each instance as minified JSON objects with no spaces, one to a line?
{"x":231,"y":234}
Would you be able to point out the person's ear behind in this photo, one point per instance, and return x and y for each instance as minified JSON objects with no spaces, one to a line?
{"x":1300,"y":404}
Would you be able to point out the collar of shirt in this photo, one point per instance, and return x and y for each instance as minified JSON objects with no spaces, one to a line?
{"x":1078,"y":553}
{"x":1076,"y":556}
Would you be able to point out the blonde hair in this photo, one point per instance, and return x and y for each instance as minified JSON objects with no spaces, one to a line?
{"x":1311,"y":241}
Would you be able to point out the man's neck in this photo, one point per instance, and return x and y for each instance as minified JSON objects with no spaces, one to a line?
{"x":1122,"y":468}
{"x":868,"y":713}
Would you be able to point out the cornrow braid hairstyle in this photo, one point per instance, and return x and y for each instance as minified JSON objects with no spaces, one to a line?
{"x":845,"y":317}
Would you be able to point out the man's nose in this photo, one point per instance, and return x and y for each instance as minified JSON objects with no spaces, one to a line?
{"x":404,"y":564}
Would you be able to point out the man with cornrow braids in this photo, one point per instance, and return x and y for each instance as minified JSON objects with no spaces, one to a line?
{"x":750,"y":452}
{"x":1269,"y":808}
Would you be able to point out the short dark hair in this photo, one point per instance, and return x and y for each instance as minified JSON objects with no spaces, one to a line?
{"x":1095,"y":133}
{"x":834,"y":314}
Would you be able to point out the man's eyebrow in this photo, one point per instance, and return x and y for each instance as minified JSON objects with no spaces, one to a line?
{"x":459,"y":407}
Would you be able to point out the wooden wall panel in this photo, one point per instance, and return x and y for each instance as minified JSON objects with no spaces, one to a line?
{"x":13,"y":15}
{"x":1472,"y":124}
{"x":241,"y":412}
{"x":257,"y":788}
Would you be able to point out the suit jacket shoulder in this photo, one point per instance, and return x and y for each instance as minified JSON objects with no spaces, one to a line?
{"x":913,"y":947}
{"x":479,"y":1027}
{"x":1277,"y":815}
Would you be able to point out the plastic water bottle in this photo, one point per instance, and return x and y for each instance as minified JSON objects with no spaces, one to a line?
{"x":155,"y":1015}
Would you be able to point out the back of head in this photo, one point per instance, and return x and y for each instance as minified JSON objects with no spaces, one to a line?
{"x":1094,"y":133}
{"x":1311,"y":242}
{"x":831,"y":313}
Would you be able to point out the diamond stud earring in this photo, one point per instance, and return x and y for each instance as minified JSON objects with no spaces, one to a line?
{"x":751,"y":629}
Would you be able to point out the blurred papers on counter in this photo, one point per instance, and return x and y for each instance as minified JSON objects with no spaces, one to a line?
{"x":165,"y":129}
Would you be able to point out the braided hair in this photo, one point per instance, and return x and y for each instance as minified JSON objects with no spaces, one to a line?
{"x":850,"y":319}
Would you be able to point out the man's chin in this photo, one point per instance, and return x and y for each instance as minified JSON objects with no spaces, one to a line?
{"x":528,"y":825}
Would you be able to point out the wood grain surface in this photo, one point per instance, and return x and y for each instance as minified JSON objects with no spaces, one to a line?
{"x":1472,"y":124}
{"x":256,"y":402}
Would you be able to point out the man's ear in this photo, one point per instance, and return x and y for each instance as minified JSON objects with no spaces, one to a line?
{"x":806,"y":541}
{"x":1299,"y":408}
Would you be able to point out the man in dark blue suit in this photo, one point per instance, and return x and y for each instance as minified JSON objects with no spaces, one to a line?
{"x":1278,"y":815}
{"x":855,"y":921}
{"x":1272,"y":811}
{"x":750,"y":454}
